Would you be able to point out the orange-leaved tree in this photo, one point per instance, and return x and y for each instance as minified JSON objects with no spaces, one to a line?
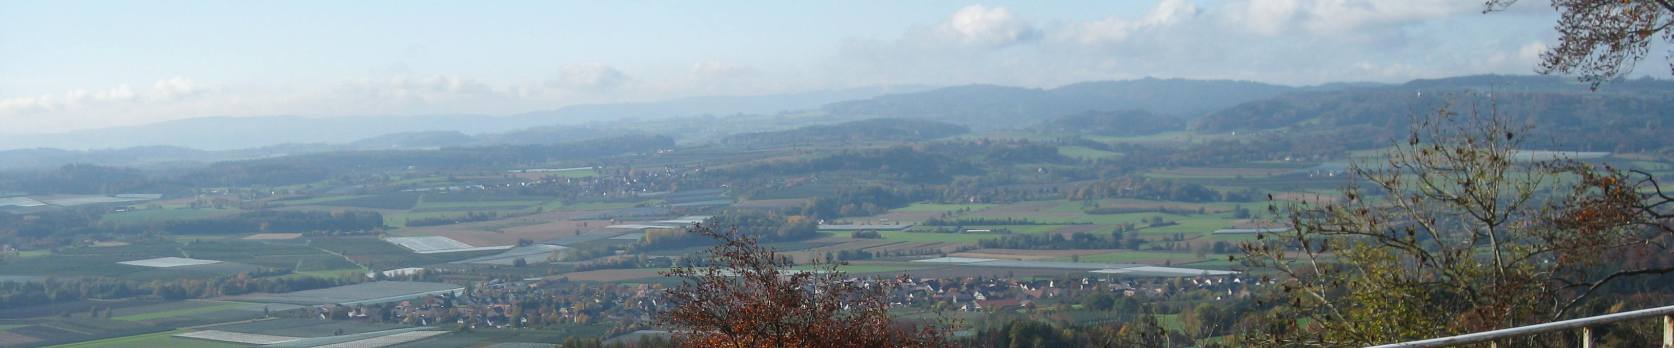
{"x":747,"y":295}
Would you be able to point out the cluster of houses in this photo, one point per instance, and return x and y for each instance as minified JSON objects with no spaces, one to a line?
{"x":990,"y":294}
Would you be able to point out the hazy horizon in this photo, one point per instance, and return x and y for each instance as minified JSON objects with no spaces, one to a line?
{"x":73,"y":65}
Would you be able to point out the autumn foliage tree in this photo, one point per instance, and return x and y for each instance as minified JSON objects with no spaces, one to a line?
{"x":1456,"y":230}
{"x":747,"y":295}
{"x":1600,"y":40}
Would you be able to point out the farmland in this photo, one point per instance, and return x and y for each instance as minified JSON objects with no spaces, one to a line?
{"x":158,"y":339}
{"x":484,"y":229}
{"x":1068,"y":226}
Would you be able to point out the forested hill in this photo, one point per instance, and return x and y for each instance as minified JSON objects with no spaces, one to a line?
{"x":992,"y":107}
{"x":1113,"y":123}
{"x":868,"y":130}
{"x":1619,"y":117}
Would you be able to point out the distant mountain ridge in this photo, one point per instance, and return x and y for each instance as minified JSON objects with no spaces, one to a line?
{"x":1623,"y":116}
{"x":868,"y":130}
{"x":1637,"y":109}
{"x":229,"y":133}
{"x":998,"y":107}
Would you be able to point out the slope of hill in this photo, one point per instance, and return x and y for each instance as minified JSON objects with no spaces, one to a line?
{"x":869,"y":130}
{"x":1112,"y":123}
{"x":1619,"y":117}
{"x":998,"y":107}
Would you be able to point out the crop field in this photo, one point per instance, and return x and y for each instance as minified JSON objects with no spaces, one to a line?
{"x":156,"y":339}
{"x":396,"y":200}
{"x":1146,"y":257}
{"x":1082,"y":152}
{"x":175,"y":309}
{"x":489,"y":337}
{"x":540,"y":228}
{"x":1054,"y":213}
{"x":363,"y":293}
{"x":941,"y":207}
{"x":577,"y":173}
{"x":294,"y":255}
{"x":318,"y":200}
{"x":89,"y":261}
{"x":190,"y":271}
{"x":273,"y":236}
{"x":1026,"y":255}
{"x":151,"y":216}
{"x":375,"y":253}
{"x":557,"y":205}
{"x":428,"y":206}
{"x":1142,"y":204}
{"x":428,"y":244}
{"x":532,"y":254}
{"x":1062,"y":217}
{"x":772,"y":203}
{"x":77,"y":200}
{"x":190,"y":312}
{"x":903,"y":236}
{"x":168,"y":262}
{"x":54,"y":330}
{"x":291,"y":327}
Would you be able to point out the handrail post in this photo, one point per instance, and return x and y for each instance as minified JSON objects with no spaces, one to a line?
{"x":1586,"y":337}
{"x":1668,"y":331}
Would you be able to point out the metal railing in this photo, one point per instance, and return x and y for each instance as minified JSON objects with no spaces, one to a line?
{"x":1584,"y":324}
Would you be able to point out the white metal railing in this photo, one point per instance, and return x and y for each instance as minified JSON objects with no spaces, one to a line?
{"x":1585,"y":324}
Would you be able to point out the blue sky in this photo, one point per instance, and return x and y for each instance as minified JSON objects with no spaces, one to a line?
{"x":72,"y":64}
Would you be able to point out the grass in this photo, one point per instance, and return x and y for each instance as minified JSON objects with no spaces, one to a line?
{"x":393,"y":200}
{"x":1170,"y":321}
{"x":209,"y":308}
{"x":1189,"y":225}
{"x":421,"y":180}
{"x":474,"y":205}
{"x":941,"y":207}
{"x":577,"y":173}
{"x":330,"y":273}
{"x":318,"y":200}
{"x":89,"y":261}
{"x":156,"y":339}
{"x":400,"y":219}
{"x":1135,"y":256}
{"x":557,"y":205}
{"x":1188,"y":137}
{"x":935,"y":237}
{"x":149,"y":216}
{"x":1082,"y":152}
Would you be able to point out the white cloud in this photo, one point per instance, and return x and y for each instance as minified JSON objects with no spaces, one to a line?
{"x":1114,"y":30}
{"x":709,"y":71}
{"x":1278,"y":41}
{"x":589,"y":77}
{"x":1531,"y":52}
{"x":120,"y":93}
{"x":987,"y":26}
{"x":165,"y":90}
{"x":173,"y":89}
{"x":1332,"y":17}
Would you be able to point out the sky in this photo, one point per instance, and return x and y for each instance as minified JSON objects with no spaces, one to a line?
{"x":67,"y":65}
